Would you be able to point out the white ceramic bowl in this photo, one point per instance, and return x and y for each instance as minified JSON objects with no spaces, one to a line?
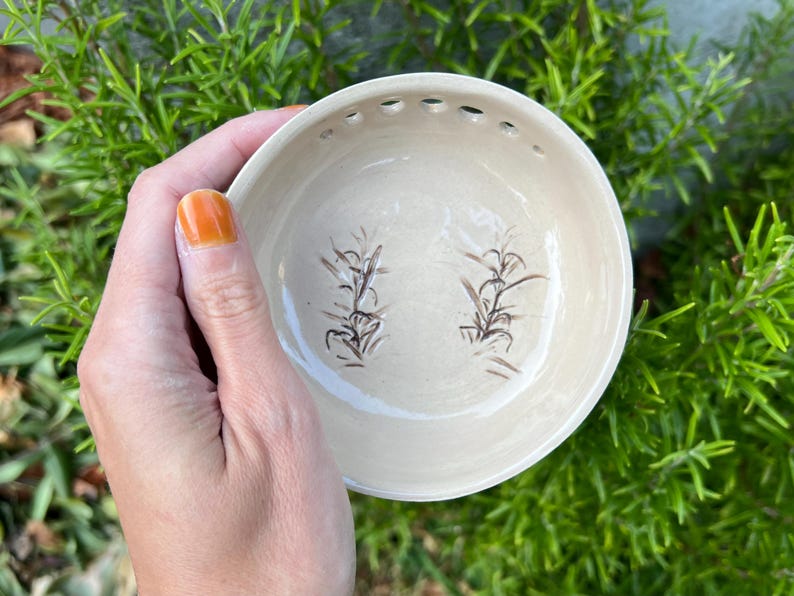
{"x":448,"y":270}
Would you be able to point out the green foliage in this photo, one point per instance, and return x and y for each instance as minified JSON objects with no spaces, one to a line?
{"x":40,"y":421}
{"x":679,"y":482}
{"x":578,"y":57}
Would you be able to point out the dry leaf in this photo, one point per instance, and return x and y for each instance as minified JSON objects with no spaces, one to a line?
{"x":432,"y":588}
{"x":42,"y":535}
{"x":90,"y":483}
{"x":10,"y":394}
{"x":18,"y":61}
{"x":84,"y":490}
{"x":429,"y":543}
{"x":10,"y":388}
{"x":15,"y":64}
{"x":18,"y":132}
{"x":95,"y":475}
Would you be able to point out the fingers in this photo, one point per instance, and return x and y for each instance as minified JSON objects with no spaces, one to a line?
{"x":145,"y":254}
{"x":140,"y":379}
{"x":223,"y":290}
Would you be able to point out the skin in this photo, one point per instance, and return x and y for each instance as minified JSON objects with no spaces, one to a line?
{"x":212,"y":445}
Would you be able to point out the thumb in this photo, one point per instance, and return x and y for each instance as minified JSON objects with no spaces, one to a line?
{"x":225,"y":296}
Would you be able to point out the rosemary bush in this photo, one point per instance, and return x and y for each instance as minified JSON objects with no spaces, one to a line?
{"x":681,"y":481}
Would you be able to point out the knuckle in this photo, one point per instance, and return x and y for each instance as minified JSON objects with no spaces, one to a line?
{"x":290,"y":418}
{"x":230,"y":297}
{"x":86,"y":364}
{"x":92,"y":378}
{"x":152,"y":181}
{"x":145,"y":181}
{"x":84,"y":376}
{"x":86,"y":405}
{"x":277,"y":411}
{"x":99,"y":373}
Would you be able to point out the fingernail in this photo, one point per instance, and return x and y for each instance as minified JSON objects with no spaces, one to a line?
{"x":297,"y":106}
{"x":206,"y":219}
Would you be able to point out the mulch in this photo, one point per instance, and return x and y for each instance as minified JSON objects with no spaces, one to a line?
{"x":16,"y":125}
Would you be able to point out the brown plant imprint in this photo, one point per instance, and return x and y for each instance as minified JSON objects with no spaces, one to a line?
{"x":359,"y":321}
{"x":492,"y":317}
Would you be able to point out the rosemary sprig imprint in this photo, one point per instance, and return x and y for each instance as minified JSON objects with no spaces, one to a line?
{"x":492,"y":318}
{"x":359,"y":322}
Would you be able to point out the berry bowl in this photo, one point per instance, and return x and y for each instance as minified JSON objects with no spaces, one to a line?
{"x":449,"y":272}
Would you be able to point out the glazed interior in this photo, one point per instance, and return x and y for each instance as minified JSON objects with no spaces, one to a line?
{"x":448,"y":271}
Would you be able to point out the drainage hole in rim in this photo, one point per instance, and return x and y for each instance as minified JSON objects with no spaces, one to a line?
{"x":433,"y":104}
{"x":471,"y":113}
{"x":353,"y":118}
{"x":391,"y":106}
{"x":508,"y":128}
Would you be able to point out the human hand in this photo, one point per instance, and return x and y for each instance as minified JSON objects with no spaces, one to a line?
{"x":211,"y":443}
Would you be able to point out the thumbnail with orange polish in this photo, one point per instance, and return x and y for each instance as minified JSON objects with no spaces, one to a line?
{"x":206,"y":219}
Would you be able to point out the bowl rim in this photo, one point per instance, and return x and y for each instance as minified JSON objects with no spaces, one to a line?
{"x":432,"y":83}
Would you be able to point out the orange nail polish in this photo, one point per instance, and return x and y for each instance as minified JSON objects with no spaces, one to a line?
{"x":206,"y":219}
{"x":297,"y":106}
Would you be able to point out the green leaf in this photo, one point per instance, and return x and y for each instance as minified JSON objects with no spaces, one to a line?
{"x":673,"y":314}
{"x":62,"y":285}
{"x":768,"y":329}
{"x":194,"y":49}
{"x":107,"y":22}
{"x":20,"y":346}
{"x":42,"y":497}
{"x":18,"y":94}
{"x":701,"y":163}
{"x":296,"y":13}
{"x":683,"y":191}
{"x":475,"y":13}
{"x":737,"y":240}
{"x":13,"y":469}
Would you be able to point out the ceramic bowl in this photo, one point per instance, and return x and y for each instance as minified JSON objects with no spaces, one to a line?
{"x":448,"y":270}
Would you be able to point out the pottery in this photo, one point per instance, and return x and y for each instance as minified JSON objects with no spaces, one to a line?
{"x":449,"y":272}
